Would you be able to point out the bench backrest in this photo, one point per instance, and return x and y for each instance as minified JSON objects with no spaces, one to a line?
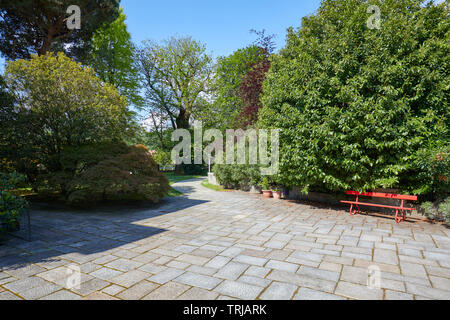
{"x":383,"y":195}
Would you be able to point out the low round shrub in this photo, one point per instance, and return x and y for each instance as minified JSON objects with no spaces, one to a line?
{"x":237,"y":176}
{"x":100,"y":172}
{"x":130,"y":175}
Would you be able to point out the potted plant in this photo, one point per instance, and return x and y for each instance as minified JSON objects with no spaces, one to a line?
{"x":276,"y":192}
{"x":265,"y":185}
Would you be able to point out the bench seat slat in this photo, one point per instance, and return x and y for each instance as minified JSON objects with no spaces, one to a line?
{"x":377,"y":205}
{"x":383,"y":195}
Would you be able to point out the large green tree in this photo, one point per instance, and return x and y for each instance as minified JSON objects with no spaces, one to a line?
{"x":237,"y":85}
{"x":358,"y":105}
{"x":59,"y":103}
{"x":37,"y":26}
{"x":227,"y":105}
{"x":177,"y":75}
{"x":112,"y":58}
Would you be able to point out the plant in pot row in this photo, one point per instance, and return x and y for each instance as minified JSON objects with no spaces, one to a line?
{"x":268,"y":190}
{"x":276,"y":192}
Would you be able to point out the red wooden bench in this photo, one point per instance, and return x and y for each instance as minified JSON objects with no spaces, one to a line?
{"x":400,"y":208}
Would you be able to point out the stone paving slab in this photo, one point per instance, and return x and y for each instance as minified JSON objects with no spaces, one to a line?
{"x":225,"y":245}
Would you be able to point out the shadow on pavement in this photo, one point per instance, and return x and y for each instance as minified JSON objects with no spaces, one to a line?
{"x":57,"y":231}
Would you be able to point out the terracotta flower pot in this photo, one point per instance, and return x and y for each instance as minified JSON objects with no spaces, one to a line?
{"x":276,"y":194}
{"x":267,"y":193}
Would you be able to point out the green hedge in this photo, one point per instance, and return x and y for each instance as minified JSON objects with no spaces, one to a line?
{"x":359,"y":108}
{"x":237,"y":176}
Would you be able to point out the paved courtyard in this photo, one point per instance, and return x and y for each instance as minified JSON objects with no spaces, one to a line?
{"x":225,"y":245}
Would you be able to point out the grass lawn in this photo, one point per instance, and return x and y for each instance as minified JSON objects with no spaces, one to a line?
{"x":170,"y":175}
{"x":208,"y":185}
{"x":23,"y":192}
{"x":174,"y":178}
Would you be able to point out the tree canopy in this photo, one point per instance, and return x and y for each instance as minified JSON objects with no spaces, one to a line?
{"x":177,"y":75}
{"x":37,"y":26}
{"x":59,"y":103}
{"x":227,"y":105}
{"x":112,"y":58}
{"x":237,"y":85}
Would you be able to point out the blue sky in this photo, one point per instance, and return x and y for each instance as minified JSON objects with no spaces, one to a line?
{"x":222,"y":25}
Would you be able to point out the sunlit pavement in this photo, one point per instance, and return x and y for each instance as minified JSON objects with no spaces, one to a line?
{"x":225,"y":245}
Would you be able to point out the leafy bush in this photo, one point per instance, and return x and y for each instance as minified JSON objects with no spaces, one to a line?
{"x":102,"y":172}
{"x":237,"y":176}
{"x":356,"y":105}
{"x":439,"y":210}
{"x":162,"y":157}
{"x":433,"y":166}
{"x":130,"y":175}
{"x":11,"y":205}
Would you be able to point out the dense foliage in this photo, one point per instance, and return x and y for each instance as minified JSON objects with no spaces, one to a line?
{"x":65,"y":129}
{"x":223,"y":113}
{"x":250,"y":89}
{"x":359,"y":107}
{"x":59,"y":103}
{"x":11,"y":205}
{"x":237,"y":176}
{"x":162,"y":157}
{"x":237,"y":86}
{"x":6,"y":106}
{"x":110,"y":172}
{"x":177,"y":74}
{"x":112,"y":58}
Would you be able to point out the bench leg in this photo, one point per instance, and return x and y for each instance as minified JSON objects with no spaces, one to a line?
{"x":397,"y":218}
{"x":352,"y":212}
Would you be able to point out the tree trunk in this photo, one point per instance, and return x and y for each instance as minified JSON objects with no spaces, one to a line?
{"x":183,"y":119}
{"x":46,"y":43}
{"x":179,"y":171}
{"x":182,"y":122}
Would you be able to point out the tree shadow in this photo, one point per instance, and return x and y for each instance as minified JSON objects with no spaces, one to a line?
{"x":57,"y":231}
